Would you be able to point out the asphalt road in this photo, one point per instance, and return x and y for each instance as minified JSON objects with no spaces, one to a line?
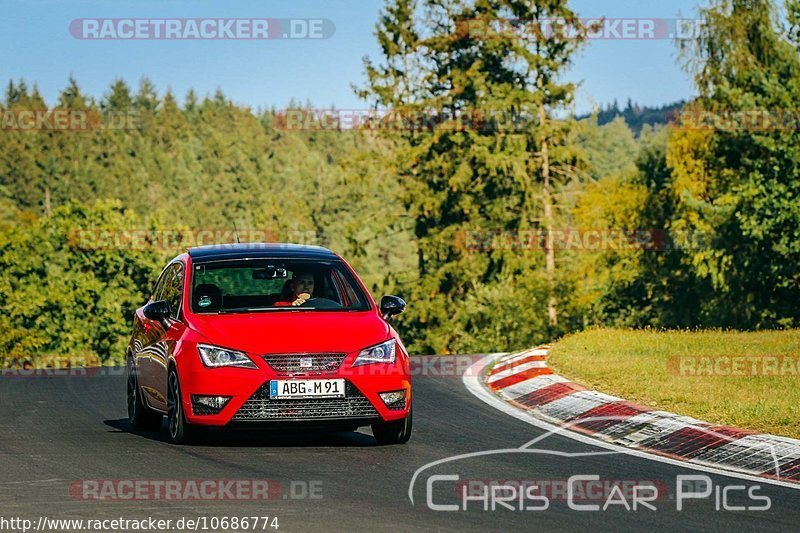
{"x":57,"y":431}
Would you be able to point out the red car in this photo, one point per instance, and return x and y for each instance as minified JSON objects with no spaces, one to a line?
{"x":271,"y":336}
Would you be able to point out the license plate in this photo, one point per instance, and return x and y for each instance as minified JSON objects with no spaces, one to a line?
{"x":306,"y":388}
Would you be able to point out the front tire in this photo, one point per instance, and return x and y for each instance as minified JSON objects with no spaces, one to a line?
{"x":397,"y":432}
{"x":180,"y":431}
{"x":140,"y":417}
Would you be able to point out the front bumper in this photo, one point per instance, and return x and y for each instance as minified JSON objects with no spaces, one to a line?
{"x":261,"y":407}
{"x":250,"y":403}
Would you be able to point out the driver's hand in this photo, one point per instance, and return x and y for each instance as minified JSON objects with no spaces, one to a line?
{"x":301,"y":299}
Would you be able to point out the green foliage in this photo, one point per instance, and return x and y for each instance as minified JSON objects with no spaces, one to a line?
{"x":57,"y":299}
{"x":607,"y":148}
{"x":205,"y":166}
{"x":476,"y":176}
{"x":739,"y":187}
{"x":638,"y":117}
{"x":725,"y":200}
{"x":490,"y":152}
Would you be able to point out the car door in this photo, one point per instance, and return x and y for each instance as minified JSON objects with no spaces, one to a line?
{"x":162,"y":337}
{"x":148,"y":334}
{"x":172,"y":333}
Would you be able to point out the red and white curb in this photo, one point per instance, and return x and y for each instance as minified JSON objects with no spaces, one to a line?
{"x":524,"y":381}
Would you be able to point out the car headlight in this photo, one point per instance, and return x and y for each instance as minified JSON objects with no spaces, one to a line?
{"x":381,"y":353}
{"x":214,"y":356}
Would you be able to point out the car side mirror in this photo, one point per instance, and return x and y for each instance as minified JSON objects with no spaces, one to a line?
{"x":392,"y":305}
{"x":158,"y":311}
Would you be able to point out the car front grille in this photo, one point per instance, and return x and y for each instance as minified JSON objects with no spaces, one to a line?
{"x":261,"y":407}
{"x":303,"y":363}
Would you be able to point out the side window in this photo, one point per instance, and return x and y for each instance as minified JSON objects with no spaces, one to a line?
{"x":173,"y":289}
{"x":159,"y":288}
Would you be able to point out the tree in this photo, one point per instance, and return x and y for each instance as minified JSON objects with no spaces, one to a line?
{"x":737,"y":185}
{"x":198,"y":168}
{"x":146,"y":98}
{"x":118,"y":98}
{"x":456,"y":81}
{"x":72,"y":97}
{"x":59,"y":298}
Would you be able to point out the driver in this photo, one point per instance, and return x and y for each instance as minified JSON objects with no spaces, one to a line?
{"x":298,"y":290}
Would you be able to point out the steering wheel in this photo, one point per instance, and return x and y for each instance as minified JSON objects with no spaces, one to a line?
{"x":321,"y":303}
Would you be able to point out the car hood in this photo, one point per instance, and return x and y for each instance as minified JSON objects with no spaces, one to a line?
{"x":293,"y":331}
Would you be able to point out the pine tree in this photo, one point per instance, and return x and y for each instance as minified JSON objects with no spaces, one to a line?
{"x":72,"y":97}
{"x":119,"y":98}
{"x":458,"y":78}
{"x":146,"y":98}
{"x":190,"y":102}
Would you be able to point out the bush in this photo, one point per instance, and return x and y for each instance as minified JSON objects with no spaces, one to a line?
{"x":59,"y":300}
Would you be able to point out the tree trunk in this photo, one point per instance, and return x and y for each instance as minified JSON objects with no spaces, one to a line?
{"x":547,"y":200}
{"x":47,"y":207}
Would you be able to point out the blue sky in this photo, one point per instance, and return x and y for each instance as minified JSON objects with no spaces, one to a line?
{"x":37,"y":46}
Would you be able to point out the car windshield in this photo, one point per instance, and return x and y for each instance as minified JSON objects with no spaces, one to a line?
{"x":246,"y":286}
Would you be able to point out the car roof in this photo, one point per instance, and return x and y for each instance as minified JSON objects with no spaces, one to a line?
{"x":259,"y":250}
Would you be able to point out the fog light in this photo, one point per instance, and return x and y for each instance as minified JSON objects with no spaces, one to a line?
{"x":394,"y":399}
{"x":209,"y":405}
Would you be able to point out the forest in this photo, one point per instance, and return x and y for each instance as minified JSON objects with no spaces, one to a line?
{"x":499,"y":237}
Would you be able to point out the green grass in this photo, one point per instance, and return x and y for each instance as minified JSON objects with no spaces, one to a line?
{"x":644,"y":366}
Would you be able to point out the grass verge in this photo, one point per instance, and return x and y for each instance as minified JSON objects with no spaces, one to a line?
{"x":742,"y":379}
